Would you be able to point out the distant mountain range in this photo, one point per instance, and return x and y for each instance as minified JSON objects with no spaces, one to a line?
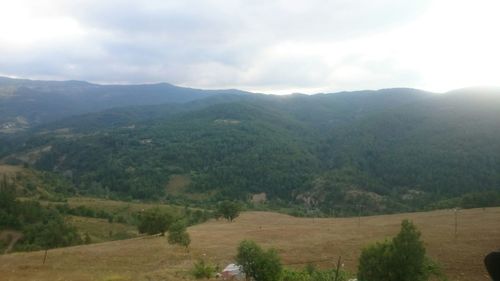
{"x":379,"y":151}
{"x":24,"y":103}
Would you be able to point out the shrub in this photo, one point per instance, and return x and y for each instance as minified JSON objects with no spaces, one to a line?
{"x":154,"y":221}
{"x":402,"y":258}
{"x":315,"y":275}
{"x":257,"y":263}
{"x":227,"y":209}
{"x":203,"y":270}
{"x":177,"y":234}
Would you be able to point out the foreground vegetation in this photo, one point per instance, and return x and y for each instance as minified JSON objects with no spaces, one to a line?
{"x":32,"y":225}
{"x":41,"y":227}
{"x":402,"y":258}
{"x":298,"y":241}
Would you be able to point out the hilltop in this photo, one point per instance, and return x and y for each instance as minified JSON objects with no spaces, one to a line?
{"x":25,"y":103}
{"x":369,"y":152}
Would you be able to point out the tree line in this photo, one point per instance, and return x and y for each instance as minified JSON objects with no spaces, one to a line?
{"x":42,"y":227}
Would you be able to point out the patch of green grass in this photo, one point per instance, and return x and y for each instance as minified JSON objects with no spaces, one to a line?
{"x":100,"y":230}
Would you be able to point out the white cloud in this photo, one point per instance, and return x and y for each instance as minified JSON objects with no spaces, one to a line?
{"x":266,"y":46}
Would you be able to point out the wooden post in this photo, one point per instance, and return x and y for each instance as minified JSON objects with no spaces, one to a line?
{"x":45,"y":256}
{"x":338,"y":268}
{"x":359,"y":215}
{"x":456,"y":223}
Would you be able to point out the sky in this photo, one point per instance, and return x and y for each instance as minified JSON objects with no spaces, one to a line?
{"x":267,"y":46}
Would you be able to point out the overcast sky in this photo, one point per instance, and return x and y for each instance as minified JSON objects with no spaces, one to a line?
{"x":259,"y":45}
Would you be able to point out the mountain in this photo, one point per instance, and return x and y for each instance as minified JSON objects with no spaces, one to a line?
{"x":342,"y":153}
{"x":24,"y":103}
{"x":440,"y":147}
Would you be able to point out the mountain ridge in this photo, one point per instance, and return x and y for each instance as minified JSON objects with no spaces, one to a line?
{"x":391,"y":150}
{"x":24,"y":102}
{"x":397,"y":150}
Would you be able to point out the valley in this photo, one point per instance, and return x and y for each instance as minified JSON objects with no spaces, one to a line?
{"x":348,"y":166}
{"x":249,"y":140}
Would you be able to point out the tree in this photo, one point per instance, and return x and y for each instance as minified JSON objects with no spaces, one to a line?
{"x":4,"y":185}
{"x":257,"y":263}
{"x":229,"y":210}
{"x":409,"y":259}
{"x":403,"y":258}
{"x":154,"y":221}
{"x":269,"y":267}
{"x":9,"y":208}
{"x":86,"y":238}
{"x":248,"y":255}
{"x":374,"y":262}
{"x":177,"y":234}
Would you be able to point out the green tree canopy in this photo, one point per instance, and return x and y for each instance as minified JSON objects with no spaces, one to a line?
{"x":257,"y":263}
{"x":228,"y":209}
{"x":154,"y":221}
{"x":42,"y":227}
{"x":51,"y":234}
{"x":177,"y":234}
{"x":402,"y":258}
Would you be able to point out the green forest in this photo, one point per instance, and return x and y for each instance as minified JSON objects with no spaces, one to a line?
{"x":328,"y":154}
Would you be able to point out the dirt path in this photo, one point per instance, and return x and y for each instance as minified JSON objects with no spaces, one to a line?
{"x":10,"y":236}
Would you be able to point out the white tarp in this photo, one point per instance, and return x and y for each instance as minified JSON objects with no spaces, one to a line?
{"x":232,"y":268}
{"x":232,"y":272}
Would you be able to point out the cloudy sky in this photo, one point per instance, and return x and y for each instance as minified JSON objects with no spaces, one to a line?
{"x":269,"y":46}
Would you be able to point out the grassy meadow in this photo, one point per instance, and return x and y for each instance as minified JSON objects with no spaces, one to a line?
{"x":298,"y":240}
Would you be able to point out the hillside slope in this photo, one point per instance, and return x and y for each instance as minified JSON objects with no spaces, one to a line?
{"x":372,"y":151}
{"x":24,"y":103}
{"x":298,"y":241}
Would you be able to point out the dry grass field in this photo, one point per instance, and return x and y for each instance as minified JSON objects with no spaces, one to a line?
{"x":9,"y":169}
{"x":298,"y":241}
{"x":115,"y":206}
{"x":100,"y":230}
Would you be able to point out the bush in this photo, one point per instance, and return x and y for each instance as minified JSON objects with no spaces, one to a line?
{"x":257,"y":263}
{"x":42,"y":227}
{"x":203,"y":270}
{"x":178,"y":235}
{"x":51,"y":234}
{"x":227,"y":209}
{"x":315,"y":275}
{"x":154,"y":221}
{"x":402,"y":258}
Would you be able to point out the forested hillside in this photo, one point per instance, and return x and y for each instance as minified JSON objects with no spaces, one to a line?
{"x":25,"y":103}
{"x":370,"y":151}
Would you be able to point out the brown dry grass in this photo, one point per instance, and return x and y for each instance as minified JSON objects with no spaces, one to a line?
{"x":10,"y":170}
{"x":298,"y":240}
{"x":11,"y":237}
{"x":100,"y":230}
{"x":115,"y":206}
{"x":177,"y":184}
